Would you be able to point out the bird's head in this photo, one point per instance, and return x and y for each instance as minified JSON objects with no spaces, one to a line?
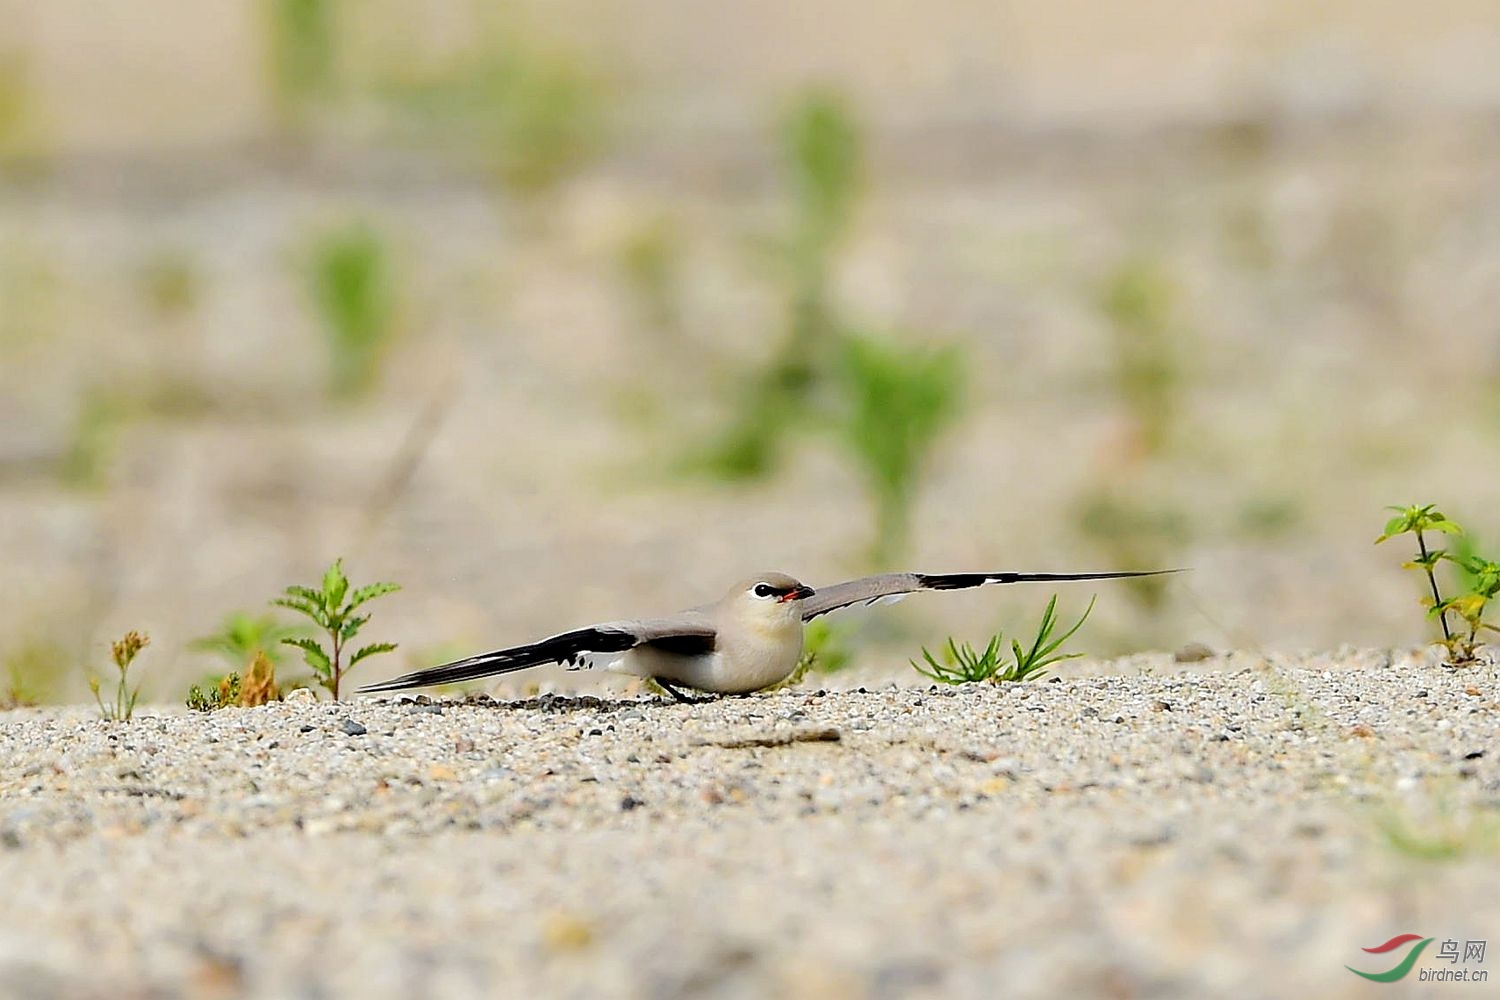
{"x":772,"y":596}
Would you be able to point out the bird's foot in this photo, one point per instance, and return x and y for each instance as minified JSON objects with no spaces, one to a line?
{"x":676,"y":693}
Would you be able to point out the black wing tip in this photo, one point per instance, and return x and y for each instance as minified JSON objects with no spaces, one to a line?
{"x":564,"y":648}
{"x":383,"y":687}
{"x":405,"y":682}
{"x":962,"y":581}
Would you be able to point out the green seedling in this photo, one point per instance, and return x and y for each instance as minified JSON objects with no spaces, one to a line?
{"x":123,"y":652}
{"x":1417,"y":520}
{"x":1477,"y":578}
{"x":962,"y":665}
{"x":331,"y":608}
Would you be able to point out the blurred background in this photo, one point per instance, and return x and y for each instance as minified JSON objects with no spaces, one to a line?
{"x":578,"y":309}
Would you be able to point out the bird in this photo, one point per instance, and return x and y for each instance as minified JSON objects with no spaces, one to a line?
{"x":749,"y":639}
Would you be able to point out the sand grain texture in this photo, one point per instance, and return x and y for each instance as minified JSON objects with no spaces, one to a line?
{"x":1220,"y":832}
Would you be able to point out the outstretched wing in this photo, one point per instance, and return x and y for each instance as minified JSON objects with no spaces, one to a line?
{"x":869,"y":589}
{"x":686,"y":633}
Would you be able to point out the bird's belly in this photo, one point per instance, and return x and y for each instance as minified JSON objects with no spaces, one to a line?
{"x":711,"y":671}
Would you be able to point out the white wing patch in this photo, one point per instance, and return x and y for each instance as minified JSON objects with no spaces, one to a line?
{"x":594,"y":661}
{"x":888,"y":599}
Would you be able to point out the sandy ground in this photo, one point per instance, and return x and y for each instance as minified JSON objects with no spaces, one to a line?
{"x":1237,"y":828}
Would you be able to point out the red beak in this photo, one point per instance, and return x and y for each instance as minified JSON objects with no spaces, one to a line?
{"x":798,"y":594}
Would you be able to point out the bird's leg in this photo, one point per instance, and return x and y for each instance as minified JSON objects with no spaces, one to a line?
{"x":672,"y":690}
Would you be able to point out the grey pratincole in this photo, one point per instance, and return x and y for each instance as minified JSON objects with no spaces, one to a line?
{"x":749,"y":639}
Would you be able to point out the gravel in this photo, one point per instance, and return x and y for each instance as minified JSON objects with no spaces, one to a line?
{"x":1239,"y":826}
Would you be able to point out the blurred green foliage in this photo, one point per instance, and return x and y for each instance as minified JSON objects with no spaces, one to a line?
{"x":899,"y":401}
{"x":821,"y":150}
{"x":29,"y":297}
{"x":170,"y":283}
{"x":93,"y":439}
{"x":650,"y":260}
{"x":824,"y":151}
{"x":888,"y":403}
{"x":1122,"y":513}
{"x":1269,"y":516}
{"x":21,"y":149}
{"x":241,"y":637}
{"x":825,"y":650}
{"x":1139,"y":300}
{"x":353,"y":290}
{"x":536,"y":116}
{"x":1444,"y":834}
{"x":32,"y":672}
{"x":301,"y":55}
{"x":1134,"y":531}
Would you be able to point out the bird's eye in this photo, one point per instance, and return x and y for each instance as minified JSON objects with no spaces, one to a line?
{"x":764,"y":590}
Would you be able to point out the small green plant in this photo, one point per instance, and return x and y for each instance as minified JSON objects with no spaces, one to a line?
{"x":1478,"y":578}
{"x":331,"y":608}
{"x":257,"y":687}
{"x":962,"y":665}
{"x":123,"y":652}
{"x":217,"y":693}
{"x":353,"y":290}
{"x":241,"y":637}
{"x":899,"y":401}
